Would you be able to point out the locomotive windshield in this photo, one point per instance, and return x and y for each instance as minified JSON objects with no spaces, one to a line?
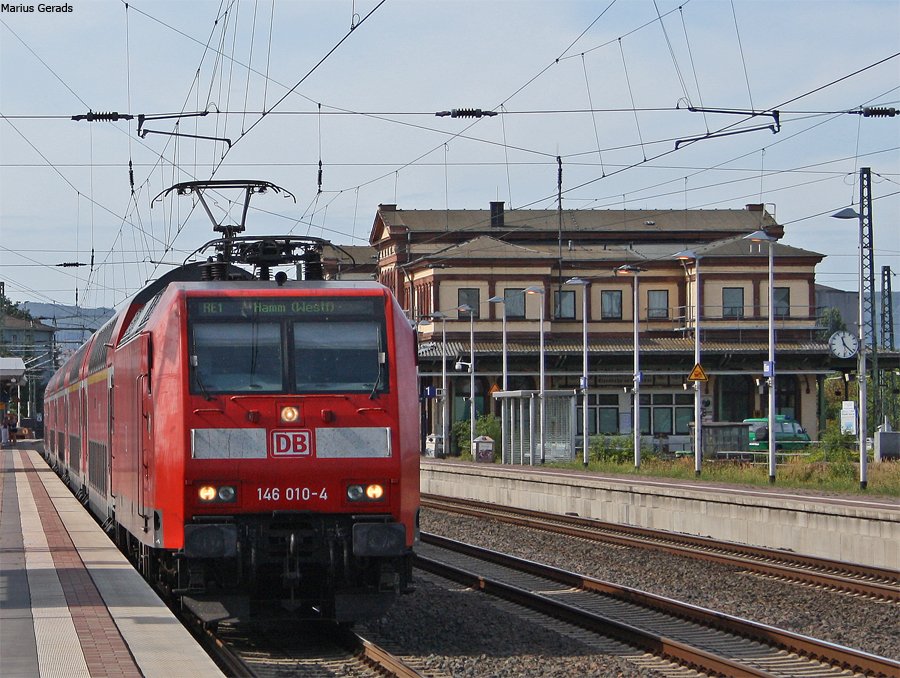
{"x":287,"y":345}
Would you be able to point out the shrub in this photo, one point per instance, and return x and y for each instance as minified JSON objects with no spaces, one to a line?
{"x":834,"y":447}
{"x":618,"y":449}
{"x":485,"y":425}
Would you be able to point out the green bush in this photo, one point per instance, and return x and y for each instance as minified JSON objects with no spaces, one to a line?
{"x":460,"y":433}
{"x":835,"y":447}
{"x":485,"y":425}
{"x":619,"y":449}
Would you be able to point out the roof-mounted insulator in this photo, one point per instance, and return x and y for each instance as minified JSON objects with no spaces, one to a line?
{"x":110,"y":116}
{"x":879,"y":112}
{"x":466,"y":113}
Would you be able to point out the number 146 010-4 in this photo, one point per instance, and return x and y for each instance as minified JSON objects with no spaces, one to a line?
{"x":290,"y":494}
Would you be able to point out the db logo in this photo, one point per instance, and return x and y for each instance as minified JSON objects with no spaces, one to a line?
{"x":291,"y":443}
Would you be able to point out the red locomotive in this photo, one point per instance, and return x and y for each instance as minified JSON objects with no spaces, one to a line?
{"x":250,"y":441}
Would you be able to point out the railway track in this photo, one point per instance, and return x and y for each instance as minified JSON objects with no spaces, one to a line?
{"x":301,"y":650}
{"x":701,"y":639}
{"x":877,"y":583}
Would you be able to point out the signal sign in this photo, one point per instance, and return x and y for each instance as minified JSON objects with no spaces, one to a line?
{"x":698,"y":374}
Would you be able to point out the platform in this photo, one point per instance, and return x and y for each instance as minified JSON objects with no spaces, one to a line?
{"x":851,"y":528}
{"x":70,"y":603}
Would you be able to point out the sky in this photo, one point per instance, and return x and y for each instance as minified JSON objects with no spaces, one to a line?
{"x":605,"y":85}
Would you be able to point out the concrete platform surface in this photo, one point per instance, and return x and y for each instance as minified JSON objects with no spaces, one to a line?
{"x":70,"y":603}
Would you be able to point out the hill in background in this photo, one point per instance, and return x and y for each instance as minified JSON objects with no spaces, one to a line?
{"x":76,"y":323}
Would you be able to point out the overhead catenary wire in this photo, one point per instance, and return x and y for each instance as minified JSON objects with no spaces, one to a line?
{"x":776,"y":107}
{"x":452,"y":165}
{"x":737,"y":33}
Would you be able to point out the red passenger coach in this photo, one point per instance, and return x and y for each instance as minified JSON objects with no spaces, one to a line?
{"x":252,"y":443}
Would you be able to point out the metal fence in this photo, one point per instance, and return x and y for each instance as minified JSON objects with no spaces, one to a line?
{"x":522,"y":431}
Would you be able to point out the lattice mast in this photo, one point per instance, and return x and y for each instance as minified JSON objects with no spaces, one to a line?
{"x":888,"y":394}
{"x":867,"y":254}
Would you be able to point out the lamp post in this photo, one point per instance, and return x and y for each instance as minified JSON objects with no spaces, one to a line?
{"x":502,"y":302}
{"x":445,"y":414}
{"x":465,"y":308}
{"x":540,"y":291}
{"x":504,"y":427}
{"x":635,"y":271}
{"x":769,"y":366}
{"x":850,"y":213}
{"x":690,"y":255}
{"x":584,"y":360}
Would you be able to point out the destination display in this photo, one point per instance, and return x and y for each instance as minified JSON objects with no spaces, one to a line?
{"x":319,"y":307}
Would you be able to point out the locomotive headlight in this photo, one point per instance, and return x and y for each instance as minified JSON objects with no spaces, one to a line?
{"x":227,"y":493}
{"x":222,"y":494}
{"x":370,"y":492}
{"x":289,"y":414}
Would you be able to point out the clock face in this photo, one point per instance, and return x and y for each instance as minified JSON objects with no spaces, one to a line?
{"x":843,"y":344}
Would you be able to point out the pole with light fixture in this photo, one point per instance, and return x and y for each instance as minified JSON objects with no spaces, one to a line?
{"x":850,"y":213}
{"x":635,"y":271}
{"x":584,"y":368}
{"x":500,"y":300}
{"x":690,"y":255}
{"x":540,"y":291}
{"x":769,"y":366}
{"x":465,"y":308}
{"x":445,"y":414}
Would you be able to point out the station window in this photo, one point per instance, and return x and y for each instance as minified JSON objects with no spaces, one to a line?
{"x":666,"y":413}
{"x":611,"y":304}
{"x":782,"y":301}
{"x":514,"y":302}
{"x":658,"y":304}
{"x":603,"y":414}
{"x":564,"y":304}
{"x":733,"y":302}
{"x":470,"y":296}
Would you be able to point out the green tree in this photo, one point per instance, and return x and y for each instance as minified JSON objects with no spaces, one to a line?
{"x":14,"y":310}
{"x":831,"y":322}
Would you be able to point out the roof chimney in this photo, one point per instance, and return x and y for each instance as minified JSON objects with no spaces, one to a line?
{"x":755,"y":207}
{"x":497,"y":214}
{"x":387,"y":207}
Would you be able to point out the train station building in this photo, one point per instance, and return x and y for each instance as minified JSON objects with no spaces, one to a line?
{"x":545,"y":277}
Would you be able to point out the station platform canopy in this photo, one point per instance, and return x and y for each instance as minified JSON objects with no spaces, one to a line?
{"x":11,"y":369}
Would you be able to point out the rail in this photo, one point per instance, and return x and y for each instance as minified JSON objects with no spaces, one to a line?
{"x":848,"y":577}
{"x":724,"y":645}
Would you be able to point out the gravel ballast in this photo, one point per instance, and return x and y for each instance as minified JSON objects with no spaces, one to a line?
{"x":452,"y":631}
{"x":837,"y":617}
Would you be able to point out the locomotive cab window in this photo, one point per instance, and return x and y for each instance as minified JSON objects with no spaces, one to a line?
{"x":337,"y":356}
{"x":287,"y":345}
{"x":236,"y":357}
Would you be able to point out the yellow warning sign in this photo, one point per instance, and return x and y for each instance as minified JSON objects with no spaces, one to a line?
{"x":697,"y":374}
{"x":494,"y":389}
